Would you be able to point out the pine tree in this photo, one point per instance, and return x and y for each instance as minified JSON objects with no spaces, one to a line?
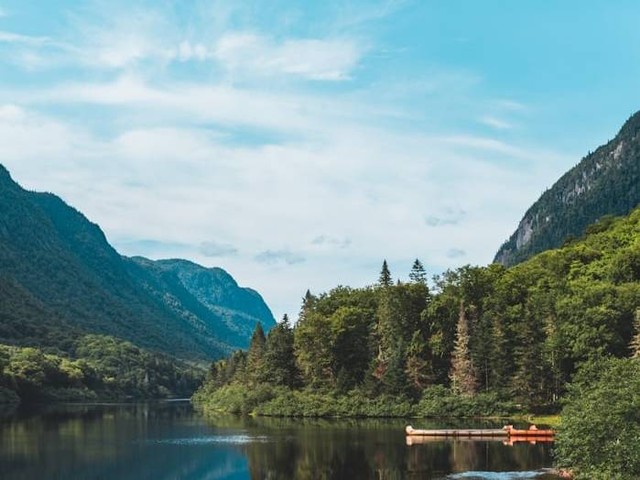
{"x":255,"y":353}
{"x":462,"y":374}
{"x":418,"y":368}
{"x":279,"y":364}
{"x":385,"y":276}
{"x":395,"y":380}
{"x":418,"y":273}
{"x":532,"y":380}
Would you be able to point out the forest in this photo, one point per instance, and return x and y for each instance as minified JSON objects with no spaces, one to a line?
{"x":100,"y":368}
{"x":561,"y":330}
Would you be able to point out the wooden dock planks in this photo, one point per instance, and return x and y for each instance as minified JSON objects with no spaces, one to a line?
{"x":476,"y":432}
{"x":507,"y":431}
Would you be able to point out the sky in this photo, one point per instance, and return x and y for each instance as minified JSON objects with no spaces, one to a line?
{"x":299,"y":144}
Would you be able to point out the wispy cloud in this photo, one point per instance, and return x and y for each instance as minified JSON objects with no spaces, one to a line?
{"x":456,"y":253}
{"x":110,"y":39}
{"x":315,"y":59}
{"x":272,"y":257}
{"x":16,"y":38}
{"x":216,"y":249}
{"x":331,"y":242}
{"x":495,"y":122}
{"x":447,"y":216}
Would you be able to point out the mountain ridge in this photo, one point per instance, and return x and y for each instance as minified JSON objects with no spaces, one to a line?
{"x":604,"y":182}
{"x":59,"y":268}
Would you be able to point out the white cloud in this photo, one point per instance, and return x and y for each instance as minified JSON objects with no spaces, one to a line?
{"x":287,"y":188}
{"x":446,"y":216}
{"x":27,"y":138}
{"x":327,"y":241}
{"x":273,"y":257}
{"x":456,"y":253}
{"x":189,"y":51}
{"x":495,"y":122}
{"x":216,"y":249}
{"x":110,"y":39}
{"x":115,"y":40}
{"x":16,"y":38}
{"x":315,"y":59}
{"x":181,"y":184}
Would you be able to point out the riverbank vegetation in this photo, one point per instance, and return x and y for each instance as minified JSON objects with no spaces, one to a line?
{"x":99,"y":368}
{"x":599,"y":437}
{"x":474,"y":341}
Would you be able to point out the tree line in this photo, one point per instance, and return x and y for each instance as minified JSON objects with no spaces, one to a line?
{"x":519,"y":334}
{"x":101,"y":367}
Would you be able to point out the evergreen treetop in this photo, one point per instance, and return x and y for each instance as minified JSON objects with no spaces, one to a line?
{"x":385,"y":279}
{"x":418,"y":274}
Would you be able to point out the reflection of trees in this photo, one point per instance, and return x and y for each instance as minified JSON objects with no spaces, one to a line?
{"x":430,"y":462}
{"x":358,"y":449}
{"x":120,"y":442}
{"x":496,"y":456}
{"x":321,"y":449}
{"x":324,"y":449}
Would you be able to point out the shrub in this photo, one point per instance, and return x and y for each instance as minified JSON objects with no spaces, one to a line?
{"x":438,"y":401}
{"x":599,"y":437}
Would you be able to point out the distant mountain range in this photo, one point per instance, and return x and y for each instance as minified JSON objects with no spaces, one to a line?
{"x":59,"y":277}
{"x":605,"y":182}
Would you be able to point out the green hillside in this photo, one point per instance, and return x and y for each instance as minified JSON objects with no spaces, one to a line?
{"x":207,"y":299}
{"x":60,"y":278}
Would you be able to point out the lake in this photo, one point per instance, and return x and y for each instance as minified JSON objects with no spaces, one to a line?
{"x":169,"y":440}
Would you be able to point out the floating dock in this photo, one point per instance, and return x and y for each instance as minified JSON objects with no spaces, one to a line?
{"x":421,"y":440}
{"x":478,"y":432}
{"x":532,"y":433}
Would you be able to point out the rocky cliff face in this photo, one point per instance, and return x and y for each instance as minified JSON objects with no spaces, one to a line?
{"x":605,"y":182}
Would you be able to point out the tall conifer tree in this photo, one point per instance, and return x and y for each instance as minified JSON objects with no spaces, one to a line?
{"x":385,"y":275}
{"x":256,"y":353}
{"x":279,"y":364}
{"x":463,"y":374}
{"x":418,"y":274}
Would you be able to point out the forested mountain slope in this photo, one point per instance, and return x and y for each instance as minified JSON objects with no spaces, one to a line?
{"x":59,"y":278}
{"x":207,"y":298}
{"x":605,"y":182}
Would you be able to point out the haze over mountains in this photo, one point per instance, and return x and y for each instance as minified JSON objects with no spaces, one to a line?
{"x":605,"y":182}
{"x":59,"y":274}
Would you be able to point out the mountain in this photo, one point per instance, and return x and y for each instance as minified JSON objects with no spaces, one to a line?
{"x":605,"y":182}
{"x":208,"y":298}
{"x":60,"y":278}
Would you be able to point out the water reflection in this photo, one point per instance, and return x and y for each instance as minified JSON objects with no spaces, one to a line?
{"x":113,"y":442}
{"x":170,"y":441}
{"x":319,"y":449}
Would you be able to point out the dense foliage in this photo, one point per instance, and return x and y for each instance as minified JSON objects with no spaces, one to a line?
{"x":101,"y":368}
{"x":600,"y":431}
{"x":605,"y":182}
{"x":485,"y":338}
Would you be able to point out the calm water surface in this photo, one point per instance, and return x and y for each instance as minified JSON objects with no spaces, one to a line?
{"x":163,"y":441}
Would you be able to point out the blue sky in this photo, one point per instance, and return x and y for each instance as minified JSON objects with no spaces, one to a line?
{"x":298,"y":144}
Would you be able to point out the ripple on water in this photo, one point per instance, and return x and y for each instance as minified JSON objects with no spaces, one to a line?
{"x":212,"y":439}
{"x":497,"y":475}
